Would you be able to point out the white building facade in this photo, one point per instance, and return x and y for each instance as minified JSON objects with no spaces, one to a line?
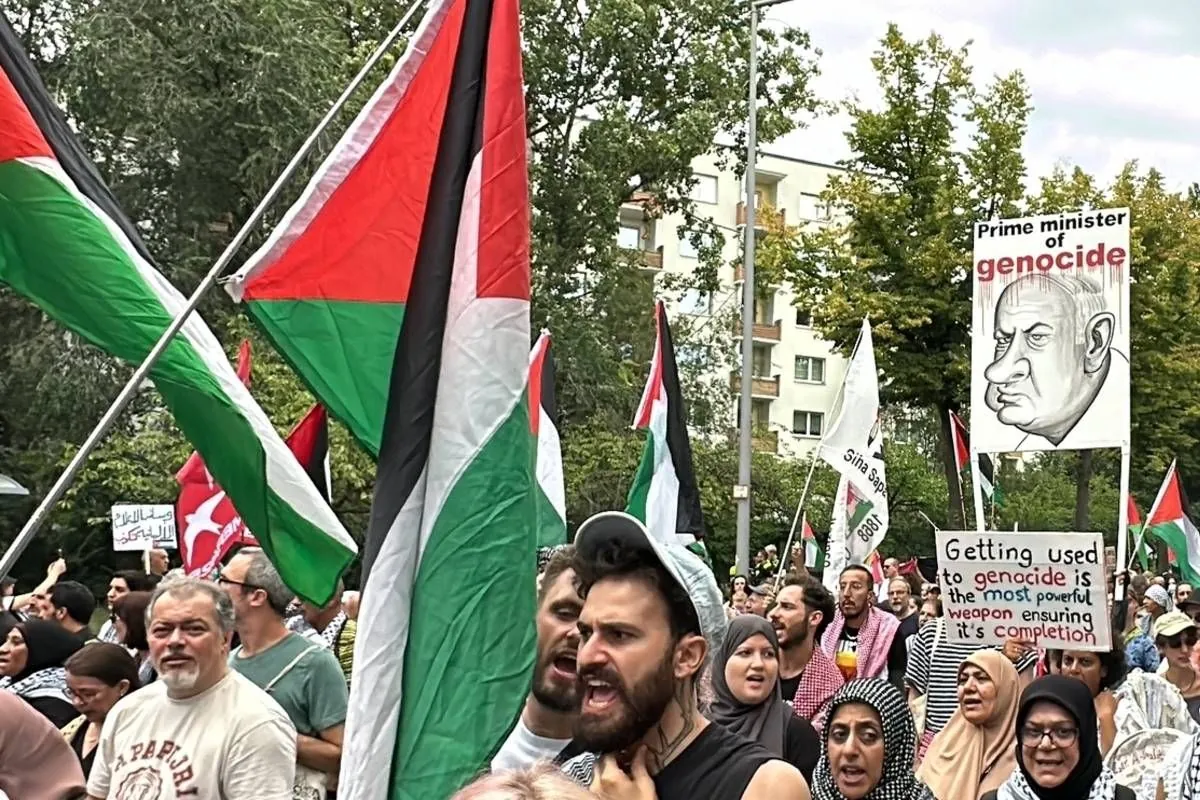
{"x":797,"y":374}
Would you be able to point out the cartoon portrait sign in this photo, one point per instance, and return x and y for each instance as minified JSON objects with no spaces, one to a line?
{"x":1050,"y":332}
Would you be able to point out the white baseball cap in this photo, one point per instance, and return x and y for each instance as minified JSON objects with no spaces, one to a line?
{"x":688,"y":571}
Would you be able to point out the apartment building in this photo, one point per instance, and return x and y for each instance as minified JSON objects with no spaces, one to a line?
{"x":796,"y":374}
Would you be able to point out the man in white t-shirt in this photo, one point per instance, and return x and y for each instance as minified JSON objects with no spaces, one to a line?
{"x":543,"y":732}
{"x":202,"y":731}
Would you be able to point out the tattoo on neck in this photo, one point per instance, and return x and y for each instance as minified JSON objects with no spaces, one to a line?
{"x":663,"y":747}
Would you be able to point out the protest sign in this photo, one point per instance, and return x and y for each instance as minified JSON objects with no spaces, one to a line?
{"x":143,"y":527}
{"x":1050,"y":332}
{"x":1047,"y":588}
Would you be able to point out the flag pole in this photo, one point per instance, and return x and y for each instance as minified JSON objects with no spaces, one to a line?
{"x":1122,"y":522}
{"x":42,"y":512}
{"x":838,"y":398}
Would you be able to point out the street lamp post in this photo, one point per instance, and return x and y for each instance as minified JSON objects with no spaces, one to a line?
{"x":745,"y":431}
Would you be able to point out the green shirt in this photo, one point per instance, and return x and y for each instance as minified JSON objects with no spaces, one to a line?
{"x":313,"y":692}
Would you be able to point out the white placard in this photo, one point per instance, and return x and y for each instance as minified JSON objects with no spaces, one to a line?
{"x":143,"y":527}
{"x":1050,"y":332}
{"x":1046,"y":588}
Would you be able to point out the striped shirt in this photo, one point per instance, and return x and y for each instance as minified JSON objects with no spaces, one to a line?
{"x":939,"y":682}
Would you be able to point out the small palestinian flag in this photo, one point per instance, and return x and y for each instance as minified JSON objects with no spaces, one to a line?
{"x":66,"y":246}
{"x":813,"y":556}
{"x":1135,"y":532}
{"x":962,"y":460}
{"x":664,"y":494}
{"x":1170,"y":520}
{"x":543,"y":413}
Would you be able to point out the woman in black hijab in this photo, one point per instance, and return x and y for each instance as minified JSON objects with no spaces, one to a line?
{"x":31,"y":663}
{"x":1058,"y":747}
{"x":748,"y":701}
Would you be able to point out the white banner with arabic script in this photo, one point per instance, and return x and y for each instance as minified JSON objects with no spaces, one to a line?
{"x":143,"y":527}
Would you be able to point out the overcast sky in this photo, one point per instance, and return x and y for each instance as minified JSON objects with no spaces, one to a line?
{"x":1111,"y":81}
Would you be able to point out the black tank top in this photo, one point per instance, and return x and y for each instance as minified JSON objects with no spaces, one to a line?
{"x":717,"y":765}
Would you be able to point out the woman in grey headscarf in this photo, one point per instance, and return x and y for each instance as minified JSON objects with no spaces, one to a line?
{"x":747,"y":699}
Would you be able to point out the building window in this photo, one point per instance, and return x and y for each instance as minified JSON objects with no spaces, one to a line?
{"x":803,"y":318}
{"x":807,"y":423}
{"x":760,"y":364}
{"x":696,"y":303}
{"x":813,"y":207}
{"x":810,"y":370}
{"x":760,"y":414}
{"x":629,"y":238}
{"x":705,"y":188}
{"x":686,"y":248}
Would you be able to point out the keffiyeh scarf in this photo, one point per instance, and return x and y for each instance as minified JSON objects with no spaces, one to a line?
{"x":51,"y":682}
{"x":897,"y":781}
{"x":1017,"y":788}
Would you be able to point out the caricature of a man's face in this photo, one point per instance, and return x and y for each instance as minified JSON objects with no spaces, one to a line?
{"x":1047,"y":371}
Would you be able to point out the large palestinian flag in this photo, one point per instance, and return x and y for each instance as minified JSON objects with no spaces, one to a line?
{"x":66,"y":246}
{"x":665,"y":495}
{"x":543,"y":415}
{"x":423,"y":208}
{"x":1170,"y":520}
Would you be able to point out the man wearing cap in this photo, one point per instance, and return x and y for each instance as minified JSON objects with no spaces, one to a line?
{"x":652,"y":616}
{"x":759,"y":599}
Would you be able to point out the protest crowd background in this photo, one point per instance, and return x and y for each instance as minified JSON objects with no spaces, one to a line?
{"x":364,"y":516}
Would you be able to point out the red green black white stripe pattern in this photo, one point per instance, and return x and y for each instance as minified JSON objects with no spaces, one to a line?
{"x":66,"y":246}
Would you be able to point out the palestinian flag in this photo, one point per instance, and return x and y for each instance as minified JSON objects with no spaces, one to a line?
{"x":1135,"y":531}
{"x":664,"y":494}
{"x":66,"y":246}
{"x":421,"y":215}
{"x":962,"y":460}
{"x":813,"y":557}
{"x":543,"y":413}
{"x":193,"y":470}
{"x":1170,"y":520}
{"x":210,"y":525}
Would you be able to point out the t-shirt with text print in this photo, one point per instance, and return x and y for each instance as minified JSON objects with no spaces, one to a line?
{"x":230,"y":742}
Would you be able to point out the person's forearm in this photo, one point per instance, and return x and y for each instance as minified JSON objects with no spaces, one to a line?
{"x":1108,"y":734}
{"x":318,"y":754}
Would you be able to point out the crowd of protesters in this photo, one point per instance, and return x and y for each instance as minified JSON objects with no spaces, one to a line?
{"x":650,"y":681}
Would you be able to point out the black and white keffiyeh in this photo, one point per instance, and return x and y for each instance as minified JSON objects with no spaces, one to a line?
{"x":51,"y":682}
{"x":897,"y":781}
{"x":333,"y":630}
{"x":1017,"y":788}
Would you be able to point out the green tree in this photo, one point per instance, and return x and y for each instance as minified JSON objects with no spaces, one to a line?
{"x":899,"y":248}
{"x":658,"y":83}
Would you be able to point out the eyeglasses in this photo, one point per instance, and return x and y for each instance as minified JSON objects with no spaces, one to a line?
{"x":221,"y":579}
{"x":83,"y":697}
{"x":1186,"y":639}
{"x":1059,"y":737}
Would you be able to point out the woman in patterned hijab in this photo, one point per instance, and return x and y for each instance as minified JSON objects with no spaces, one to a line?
{"x":868,"y":747}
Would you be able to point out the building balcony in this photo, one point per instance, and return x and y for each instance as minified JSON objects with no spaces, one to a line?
{"x":763,"y":332}
{"x":762,"y":215}
{"x":648,"y":259}
{"x":761,"y":440}
{"x":759,"y":386}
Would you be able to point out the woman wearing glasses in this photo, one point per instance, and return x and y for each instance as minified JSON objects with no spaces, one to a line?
{"x":1058,"y":749}
{"x":1175,"y":636}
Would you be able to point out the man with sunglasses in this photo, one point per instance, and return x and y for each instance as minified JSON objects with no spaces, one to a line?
{"x":1175,"y":635}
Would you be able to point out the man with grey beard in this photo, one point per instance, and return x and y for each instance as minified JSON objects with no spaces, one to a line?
{"x":201,"y":730}
{"x":652,"y":614}
{"x":543,"y":732}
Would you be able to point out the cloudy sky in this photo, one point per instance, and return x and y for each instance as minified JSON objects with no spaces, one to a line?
{"x":1111,"y":81}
